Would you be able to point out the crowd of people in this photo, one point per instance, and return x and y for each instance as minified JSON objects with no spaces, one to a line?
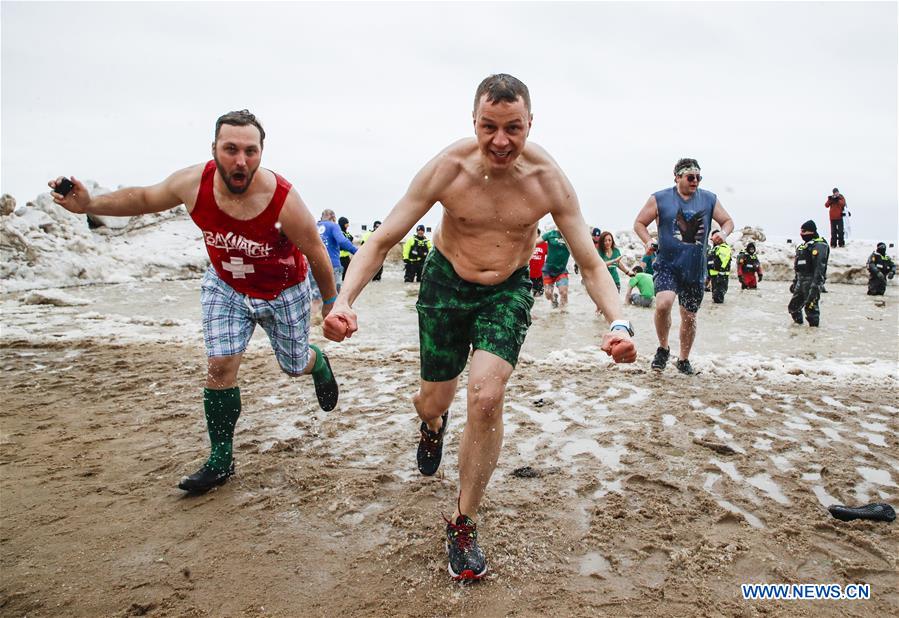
{"x":273,"y":265}
{"x":549,"y":276}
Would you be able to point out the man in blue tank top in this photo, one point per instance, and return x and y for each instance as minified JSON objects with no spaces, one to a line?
{"x":683,"y":214}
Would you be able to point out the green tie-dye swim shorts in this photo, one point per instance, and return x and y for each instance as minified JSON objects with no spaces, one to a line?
{"x":455,"y":316}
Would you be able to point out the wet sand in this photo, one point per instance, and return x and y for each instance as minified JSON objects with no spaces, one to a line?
{"x":634,"y":512}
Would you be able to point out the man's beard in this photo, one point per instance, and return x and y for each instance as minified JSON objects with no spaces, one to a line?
{"x":227,"y":179}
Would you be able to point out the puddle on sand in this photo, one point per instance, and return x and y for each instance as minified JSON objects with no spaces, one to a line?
{"x":873,"y":438}
{"x":767,"y":485}
{"x":753,"y":521}
{"x":762,"y":444}
{"x":593,"y":563}
{"x":878,"y":427}
{"x":549,"y":422}
{"x":745,"y":408}
{"x":781,"y":463}
{"x":609,"y":487}
{"x":710,"y":479}
{"x":609,"y":455}
{"x":876,"y":476}
{"x":527,"y":448}
{"x":354,"y":518}
{"x":824,"y":498}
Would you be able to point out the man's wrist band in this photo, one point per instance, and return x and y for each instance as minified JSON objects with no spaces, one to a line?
{"x":330,"y":301}
{"x":622,"y":325}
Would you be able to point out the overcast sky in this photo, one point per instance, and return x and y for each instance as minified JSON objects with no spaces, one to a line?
{"x":779,"y":102}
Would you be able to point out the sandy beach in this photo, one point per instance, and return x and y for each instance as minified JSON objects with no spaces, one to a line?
{"x":646,"y":494}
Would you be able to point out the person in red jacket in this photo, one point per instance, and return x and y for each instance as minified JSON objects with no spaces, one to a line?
{"x":836,"y":203}
{"x":535,"y":266}
{"x":259,"y":236}
{"x":749,"y":270}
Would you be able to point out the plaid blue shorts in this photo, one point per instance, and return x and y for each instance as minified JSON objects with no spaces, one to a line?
{"x":229,"y":319}
{"x":338,"y":279}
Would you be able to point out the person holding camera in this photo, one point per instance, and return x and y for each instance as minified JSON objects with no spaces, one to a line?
{"x":836,"y":203}
{"x":649,"y":259}
{"x":259,"y":236}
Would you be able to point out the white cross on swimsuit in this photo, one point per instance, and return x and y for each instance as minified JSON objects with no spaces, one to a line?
{"x":237,"y":268}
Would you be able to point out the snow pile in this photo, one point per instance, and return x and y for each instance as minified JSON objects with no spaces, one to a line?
{"x":45,"y":246}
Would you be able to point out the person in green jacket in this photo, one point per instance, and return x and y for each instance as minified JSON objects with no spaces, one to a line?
{"x":415,"y":251}
{"x":611,"y":255}
{"x":555,"y":268}
{"x":719,"y":259}
{"x":641,"y":289}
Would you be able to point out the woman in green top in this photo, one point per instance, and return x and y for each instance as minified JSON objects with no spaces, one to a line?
{"x":612,"y":257}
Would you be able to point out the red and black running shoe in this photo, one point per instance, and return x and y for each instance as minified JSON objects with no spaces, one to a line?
{"x":430,"y":447}
{"x":466,"y":558}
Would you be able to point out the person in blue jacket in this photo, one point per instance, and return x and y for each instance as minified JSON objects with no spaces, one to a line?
{"x":334,"y":240}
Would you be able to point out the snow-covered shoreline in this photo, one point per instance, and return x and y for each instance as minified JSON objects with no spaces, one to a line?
{"x":44,"y":246}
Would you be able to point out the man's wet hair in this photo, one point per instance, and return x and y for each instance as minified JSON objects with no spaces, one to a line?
{"x":637,"y":269}
{"x":685,"y":164}
{"x":502,"y":87}
{"x":241,"y":118}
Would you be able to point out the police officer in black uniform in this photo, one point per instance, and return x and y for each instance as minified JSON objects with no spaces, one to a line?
{"x":415,"y":251}
{"x":810,"y":266}
{"x":880,"y":268}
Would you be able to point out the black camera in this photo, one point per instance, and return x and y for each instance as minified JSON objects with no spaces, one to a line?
{"x":64,"y":186}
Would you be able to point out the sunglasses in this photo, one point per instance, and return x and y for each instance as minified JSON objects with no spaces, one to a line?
{"x":692,"y":177}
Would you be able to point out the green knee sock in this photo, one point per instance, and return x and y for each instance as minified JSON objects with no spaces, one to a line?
{"x":222,"y":409}
{"x":319,"y":369}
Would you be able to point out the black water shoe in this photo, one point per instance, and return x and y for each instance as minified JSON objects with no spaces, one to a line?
{"x":326,"y":387}
{"x":874,"y":512}
{"x":205,"y":479}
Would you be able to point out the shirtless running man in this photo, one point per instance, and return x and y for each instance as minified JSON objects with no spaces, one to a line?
{"x":475,"y":290}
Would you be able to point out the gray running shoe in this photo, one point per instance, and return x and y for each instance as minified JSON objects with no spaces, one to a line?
{"x":661,"y":359}
{"x":684,"y":367}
